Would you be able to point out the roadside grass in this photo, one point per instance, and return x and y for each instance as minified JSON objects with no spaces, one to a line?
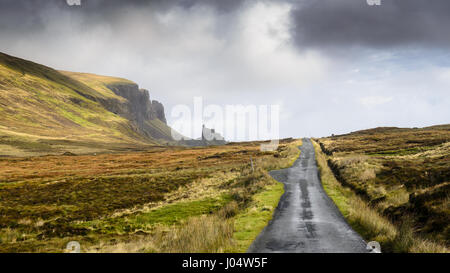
{"x":367,"y":220}
{"x":249,"y":223}
{"x":252,"y":220}
{"x":403,"y":173}
{"x":204,"y":234}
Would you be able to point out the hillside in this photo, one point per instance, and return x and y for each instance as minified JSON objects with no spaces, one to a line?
{"x":402,"y":173}
{"x":45,"y":111}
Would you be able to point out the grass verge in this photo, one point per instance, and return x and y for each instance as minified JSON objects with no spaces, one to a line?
{"x":253,"y":219}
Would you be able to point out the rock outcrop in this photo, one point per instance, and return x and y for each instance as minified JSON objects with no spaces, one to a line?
{"x":210,"y":134}
{"x":158,"y":111}
{"x":209,"y":137}
{"x":139,"y":109}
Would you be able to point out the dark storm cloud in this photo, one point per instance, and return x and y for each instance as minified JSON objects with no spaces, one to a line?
{"x":106,"y":8}
{"x":220,"y":5}
{"x":344,"y":23}
{"x":22,"y":15}
{"x":324,"y":23}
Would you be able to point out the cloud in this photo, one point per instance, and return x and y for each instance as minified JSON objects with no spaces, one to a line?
{"x":316,"y":59}
{"x":352,"y":23}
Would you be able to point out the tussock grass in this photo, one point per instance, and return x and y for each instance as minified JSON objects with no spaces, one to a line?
{"x":402,"y":172}
{"x":204,"y":234}
{"x":201,"y":234}
{"x":368,"y":174}
{"x":367,"y":220}
{"x":9,"y":235}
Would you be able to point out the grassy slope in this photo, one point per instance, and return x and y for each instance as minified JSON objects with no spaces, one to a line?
{"x":98,"y":83}
{"x":402,"y":174}
{"x":46,"y":111}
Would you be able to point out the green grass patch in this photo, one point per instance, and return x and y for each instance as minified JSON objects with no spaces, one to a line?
{"x":168,"y":215}
{"x":173,"y":214}
{"x":252,"y":221}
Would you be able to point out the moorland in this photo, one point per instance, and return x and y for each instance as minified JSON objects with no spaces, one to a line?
{"x":401,"y":177}
{"x":164,"y":199}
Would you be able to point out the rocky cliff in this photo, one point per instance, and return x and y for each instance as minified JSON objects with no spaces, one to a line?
{"x":139,"y":109}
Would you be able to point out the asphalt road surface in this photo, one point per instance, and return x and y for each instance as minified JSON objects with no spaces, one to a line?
{"x":306,"y":219}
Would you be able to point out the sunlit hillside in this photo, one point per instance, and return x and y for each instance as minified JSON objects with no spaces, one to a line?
{"x":47,"y":111}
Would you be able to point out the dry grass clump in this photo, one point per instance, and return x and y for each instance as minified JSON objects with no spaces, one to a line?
{"x":136,"y":245}
{"x":368,"y":174}
{"x":427,"y":246}
{"x":407,"y":241}
{"x":369,"y":222}
{"x":204,"y":234}
{"x":395,"y":197}
{"x":229,"y":210}
{"x":9,"y":235}
{"x":284,"y":157}
{"x":353,"y":160}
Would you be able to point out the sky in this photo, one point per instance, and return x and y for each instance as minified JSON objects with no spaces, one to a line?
{"x":331,"y":66}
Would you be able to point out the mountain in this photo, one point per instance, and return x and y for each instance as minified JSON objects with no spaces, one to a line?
{"x":45,"y":111}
